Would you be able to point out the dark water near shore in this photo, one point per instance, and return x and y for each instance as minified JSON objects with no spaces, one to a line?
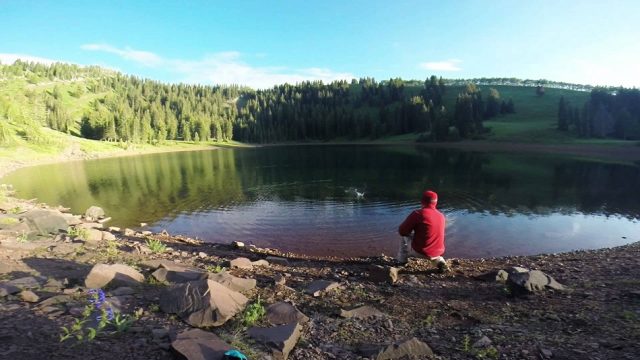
{"x":305,"y":199}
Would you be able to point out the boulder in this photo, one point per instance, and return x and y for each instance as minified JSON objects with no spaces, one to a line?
{"x":532,"y":281}
{"x":282,"y":313}
{"x":202,"y":303}
{"x":319,"y":287}
{"x":116,"y":275}
{"x":412,"y":348}
{"x":94,"y":213}
{"x":277,"y":260}
{"x":378,"y":273}
{"x":196,"y":344}
{"x":45,"y":222}
{"x":92,"y":235}
{"x":281,"y":339}
{"x":362,"y":312}
{"x":177,"y":273}
{"x":241,"y":263}
{"x":72,"y":220}
{"x":233,"y":282}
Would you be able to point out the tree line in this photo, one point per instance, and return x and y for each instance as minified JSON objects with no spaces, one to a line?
{"x":607,"y":114}
{"x":130,"y":109}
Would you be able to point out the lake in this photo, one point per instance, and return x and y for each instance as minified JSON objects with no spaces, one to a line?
{"x":349,"y":200}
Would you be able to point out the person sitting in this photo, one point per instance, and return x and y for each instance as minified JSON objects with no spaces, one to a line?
{"x":427,"y":225}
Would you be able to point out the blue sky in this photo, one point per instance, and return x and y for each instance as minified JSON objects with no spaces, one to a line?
{"x":262,"y":43}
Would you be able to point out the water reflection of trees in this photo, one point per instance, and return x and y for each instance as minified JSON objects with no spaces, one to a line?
{"x":150,"y":188}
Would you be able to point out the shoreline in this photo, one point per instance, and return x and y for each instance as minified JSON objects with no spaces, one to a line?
{"x":461,"y":315}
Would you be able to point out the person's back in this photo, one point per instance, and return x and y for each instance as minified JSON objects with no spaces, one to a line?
{"x":427,"y":225}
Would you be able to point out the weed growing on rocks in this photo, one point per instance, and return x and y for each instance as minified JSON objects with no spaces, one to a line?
{"x":23,"y":237}
{"x":253,"y":313}
{"x":78,"y":232}
{"x":156,"y":245}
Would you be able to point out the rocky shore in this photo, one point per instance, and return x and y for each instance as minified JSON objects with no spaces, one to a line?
{"x":71,"y":287}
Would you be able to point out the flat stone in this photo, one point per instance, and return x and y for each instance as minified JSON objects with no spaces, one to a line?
{"x":28,"y":282}
{"x":233,"y":282}
{"x":45,"y":222}
{"x":94,"y":213}
{"x":29,"y":296}
{"x":412,"y":348}
{"x":196,"y":344}
{"x":177,"y":273}
{"x":240,"y":263}
{"x":261,"y":262}
{"x":532,"y":281}
{"x":114,"y":229}
{"x":202,"y":303}
{"x":362,"y":312}
{"x":89,"y":225}
{"x":8,"y":289}
{"x":318,"y":287}
{"x":282,"y":313}
{"x":281,"y":339}
{"x":114,"y":275}
{"x":378,"y":273}
{"x":55,"y":301}
{"x":277,"y":260}
{"x":72,"y":220}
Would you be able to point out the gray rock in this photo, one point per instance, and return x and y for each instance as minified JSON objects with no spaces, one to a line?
{"x":378,"y":273}
{"x":503,"y":275}
{"x":196,"y":344}
{"x":483,"y":342}
{"x":92,"y":235}
{"x":233,"y":282}
{"x":94,"y":213}
{"x":8,"y":289}
{"x":178,"y":273}
{"x":72,"y":220}
{"x":282,"y":313}
{"x":45,"y":222}
{"x":532,"y":281}
{"x":318,"y":287}
{"x":114,"y":275}
{"x":28,"y":282}
{"x":412,"y":348}
{"x":277,"y":260}
{"x":281,"y":339}
{"x":362,"y":312}
{"x":202,"y":303}
{"x":29,"y":296}
{"x":56,"y":301}
{"x":240,"y":263}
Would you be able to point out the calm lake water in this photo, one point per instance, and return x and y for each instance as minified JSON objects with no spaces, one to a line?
{"x":305,"y":199}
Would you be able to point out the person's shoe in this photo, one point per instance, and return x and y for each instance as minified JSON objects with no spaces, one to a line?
{"x":443,"y":267}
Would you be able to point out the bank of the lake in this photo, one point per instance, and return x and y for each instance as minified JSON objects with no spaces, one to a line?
{"x":464,"y":314}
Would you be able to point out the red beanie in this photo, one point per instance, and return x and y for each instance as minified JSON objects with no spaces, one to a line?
{"x":429,"y":197}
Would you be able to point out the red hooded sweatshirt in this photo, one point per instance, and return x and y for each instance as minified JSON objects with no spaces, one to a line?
{"x":428,"y":226}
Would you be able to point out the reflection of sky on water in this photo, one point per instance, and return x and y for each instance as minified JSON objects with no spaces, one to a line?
{"x":363,"y":229}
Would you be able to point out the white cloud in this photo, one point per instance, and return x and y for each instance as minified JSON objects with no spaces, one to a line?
{"x":222,"y":68}
{"x":448,"y":65}
{"x":11,"y":58}
{"x":143,"y":57}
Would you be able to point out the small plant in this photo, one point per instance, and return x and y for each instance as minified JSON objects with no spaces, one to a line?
{"x":429,"y":320}
{"x":78,"y":232}
{"x":154,"y":308}
{"x":253,"y":313}
{"x":97,"y":311}
{"x":215,"y":269}
{"x":23,"y":237}
{"x":156,"y":245}
{"x":487,"y":353}
{"x":466,"y":344}
{"x":15,"y":210}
